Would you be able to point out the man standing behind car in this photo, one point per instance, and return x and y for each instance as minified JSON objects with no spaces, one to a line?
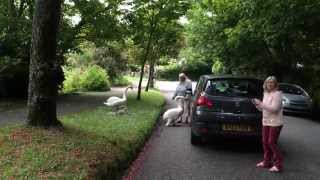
{"x":184,"y":88}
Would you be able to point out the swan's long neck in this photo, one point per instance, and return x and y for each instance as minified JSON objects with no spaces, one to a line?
{"x":125,"y":94}
{"x":180,"y":104}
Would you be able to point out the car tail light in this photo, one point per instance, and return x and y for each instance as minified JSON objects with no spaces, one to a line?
{"x":203,"y":130}
{"x":204,"y":101}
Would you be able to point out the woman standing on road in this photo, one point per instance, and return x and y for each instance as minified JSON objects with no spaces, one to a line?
{"x":272,"y":121}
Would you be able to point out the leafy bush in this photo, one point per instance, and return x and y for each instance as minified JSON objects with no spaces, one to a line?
{"x":110,"y":58}
{"x":169,"y":72}
{"x":120,"y":81}
{"x":195,"y":69}
{"x":217,"y":67}
{"x":72,"y":80}
{"x":13,"y":77}
{"x":192,"y":70}
{"x":95,"y":79}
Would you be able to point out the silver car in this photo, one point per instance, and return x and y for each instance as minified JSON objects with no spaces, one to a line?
{"x":295,"y":99}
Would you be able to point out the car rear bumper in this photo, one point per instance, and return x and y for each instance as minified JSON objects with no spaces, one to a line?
{"x":214,"y":124}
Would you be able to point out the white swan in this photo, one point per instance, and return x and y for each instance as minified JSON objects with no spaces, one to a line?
{"x":172,"y":115}
{"x":115,"y":101}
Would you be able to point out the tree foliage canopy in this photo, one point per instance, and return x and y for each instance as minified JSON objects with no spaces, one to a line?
{"x":96,"y":21}
{"x":257,"y":37}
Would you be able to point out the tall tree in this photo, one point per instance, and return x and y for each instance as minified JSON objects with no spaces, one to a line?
{"x":44,"y":69}
{"x":149,"y":19}
{"x":258,"y":37}
{"x":166,"y":43}
{"x":97,"y":21}
{"x":146,"y":20}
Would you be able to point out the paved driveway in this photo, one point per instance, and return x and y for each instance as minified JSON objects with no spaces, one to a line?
{"x":170,"y":156}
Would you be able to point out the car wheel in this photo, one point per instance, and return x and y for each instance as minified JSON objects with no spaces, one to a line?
{"x":196,"y":140}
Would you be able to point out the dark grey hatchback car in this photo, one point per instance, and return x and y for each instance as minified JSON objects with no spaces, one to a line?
{"x":222,"y":106}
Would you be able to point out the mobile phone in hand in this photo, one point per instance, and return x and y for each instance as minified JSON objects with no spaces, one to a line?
{"x":254,"y":101}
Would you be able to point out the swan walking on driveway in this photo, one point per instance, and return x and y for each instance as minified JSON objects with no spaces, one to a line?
{"x":116,"y":102}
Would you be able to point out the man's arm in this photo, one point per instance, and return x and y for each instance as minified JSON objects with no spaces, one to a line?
{"x":174,"y":95}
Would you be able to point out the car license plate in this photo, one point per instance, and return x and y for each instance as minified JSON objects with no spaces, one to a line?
{"x":236,"y":127}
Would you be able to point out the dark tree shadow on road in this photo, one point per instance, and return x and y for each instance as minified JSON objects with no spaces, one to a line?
{"x":313,"y":117}
{"x":238,"y":144}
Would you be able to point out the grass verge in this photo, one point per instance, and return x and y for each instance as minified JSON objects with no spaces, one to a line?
{"x":136,"y":79}
{"x":93,"y":145}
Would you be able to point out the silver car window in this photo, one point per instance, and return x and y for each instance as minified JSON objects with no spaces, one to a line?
{"x":289,"y":89}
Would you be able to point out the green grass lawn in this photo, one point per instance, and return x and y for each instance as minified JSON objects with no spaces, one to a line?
{"x":136,"y":79}
{"x":93,"y":144}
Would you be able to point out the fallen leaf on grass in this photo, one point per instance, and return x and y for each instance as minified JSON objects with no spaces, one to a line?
{"x":20,"y":135}
{"x":93,"y":163}
{"x":77,"y":152}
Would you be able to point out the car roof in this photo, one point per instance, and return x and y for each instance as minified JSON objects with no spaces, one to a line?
{"x":227,"y":76}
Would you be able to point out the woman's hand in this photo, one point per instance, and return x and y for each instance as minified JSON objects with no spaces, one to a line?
{"x":257,"y":103}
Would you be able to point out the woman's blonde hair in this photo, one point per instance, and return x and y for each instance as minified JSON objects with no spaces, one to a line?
{"x":273,"y":79}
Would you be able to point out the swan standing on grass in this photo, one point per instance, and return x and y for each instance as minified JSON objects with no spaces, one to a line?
{"x":172,"y":115}
{"x":116,"y":102}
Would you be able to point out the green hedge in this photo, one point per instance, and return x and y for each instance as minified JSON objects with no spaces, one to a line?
{"x":93,"y":78}
{"x":192,"y":70}
{"x":169,"y":72}
{"x":120,"y":81}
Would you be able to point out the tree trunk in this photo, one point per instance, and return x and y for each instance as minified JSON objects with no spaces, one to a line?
{"x":146,"y":55}
{"x":148,"y":83}
{"x":151,"y":77}
{"x":140,"y":80}
{"x":44,"y":69}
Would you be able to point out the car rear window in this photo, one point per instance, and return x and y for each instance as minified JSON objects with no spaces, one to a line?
{"x":234,"y":87}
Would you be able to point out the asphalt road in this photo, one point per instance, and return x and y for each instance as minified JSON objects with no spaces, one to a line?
{"x":169,"y":155}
